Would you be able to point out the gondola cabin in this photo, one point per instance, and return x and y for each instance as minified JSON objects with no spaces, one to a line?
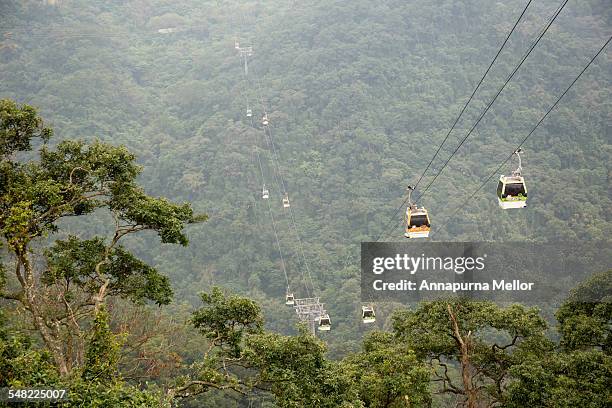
{"x":367,"y":314}
{"x":290,"y":299}
{"x":324,"y":322}
{"x":249,"y":113}
{"x":511,"y":192}
{"x":286,"y":202}
{"x":265,"y":193}
{"x":417,"y":222}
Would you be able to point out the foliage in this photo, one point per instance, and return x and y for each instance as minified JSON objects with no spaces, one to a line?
{"x":561,"y":380}
{"x":68,"y":291}
{"x":359,"y":96}
{"x":21,"y":363}
{"x":579,"y":371}
{"x":225,"y":320}
{"x":73,"y":261}
{"x":19,"y":125}
{"x":102,"y":352}
{"x":585,"y":318}
{"x":389,"y":374}
{"x":298,"y":373}
{"x":484,"y":340}
{"x":359,"y":99}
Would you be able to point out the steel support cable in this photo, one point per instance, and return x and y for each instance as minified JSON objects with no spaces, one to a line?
{"x":246,"y":80}
{"x":298,"y":237}
{"x":274,"y":167}
{"x":270,"y":140}
{"x":276,"y":156}
{"x":258,"y":157}
{"x":495,"y":97}
{"x":276,"y":161}
{"x":299,"y":241}
{"x":472,"y":95}
{"x":268,"y":133}
{"x":280,"y":251}
{"x":278,"y":246}
{"x":460,"y":113}
{"x":301,"y":247}
{"x":484,"y":112}
{"x":276,"y":170}
{"x":496,"y":171}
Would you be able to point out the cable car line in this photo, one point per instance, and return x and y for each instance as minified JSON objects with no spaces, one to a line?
{"x":514,"y":71}
{"x":460,"y":114}
{"x":324,"y":321}
{"x":280,"y":251}
{"x":275,"y":154}
{"x":269,"y":139}
{"x":503,"y":163}
{"x":301,"y":246}
{"x":276,"y":163}
{"x":495,"y":97}
{"x":265,"y":193}
{"x":289,"y":297}
{"x":472,"y":95}
{"x":289,"y":294}
{"x":293,"y":223}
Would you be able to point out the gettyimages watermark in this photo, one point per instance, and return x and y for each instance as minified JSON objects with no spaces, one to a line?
{"x":504,"y":272}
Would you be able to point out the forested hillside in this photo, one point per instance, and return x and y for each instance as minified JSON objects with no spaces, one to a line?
{"x":360,"y":94}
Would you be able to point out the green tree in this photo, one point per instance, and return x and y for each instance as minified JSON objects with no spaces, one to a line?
{"x":294,"y":369}
{"x":98,"y":384}
{"x":585,"y":318}
{"x":102,"y":356}
{"x":21,"y":364}
{"x":480,"y":339}
{"x":66,"y":291}
{"x":225,"y":321}
{"x":242,"y":356}
{"x":389,"y":374}
{"x":578,"y":373}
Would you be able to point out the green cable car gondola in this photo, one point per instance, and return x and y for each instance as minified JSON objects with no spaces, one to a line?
{"x":511,"y":190}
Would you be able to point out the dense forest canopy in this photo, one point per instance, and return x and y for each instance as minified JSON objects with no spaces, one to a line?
{"x":359,"y":95}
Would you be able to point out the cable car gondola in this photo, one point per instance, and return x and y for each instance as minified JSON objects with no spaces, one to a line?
{"x":511,"y":190}
{"x":264,"y":120}
{"x":249,"y":112}
{"x":265,"y":194}
{"x":236,"y":45}
{"x":286,"y":201}
{"x":324,"y":322}
{"x":417,"y":219}
{"x":367,"y":314}
{"x":290,"y":299}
